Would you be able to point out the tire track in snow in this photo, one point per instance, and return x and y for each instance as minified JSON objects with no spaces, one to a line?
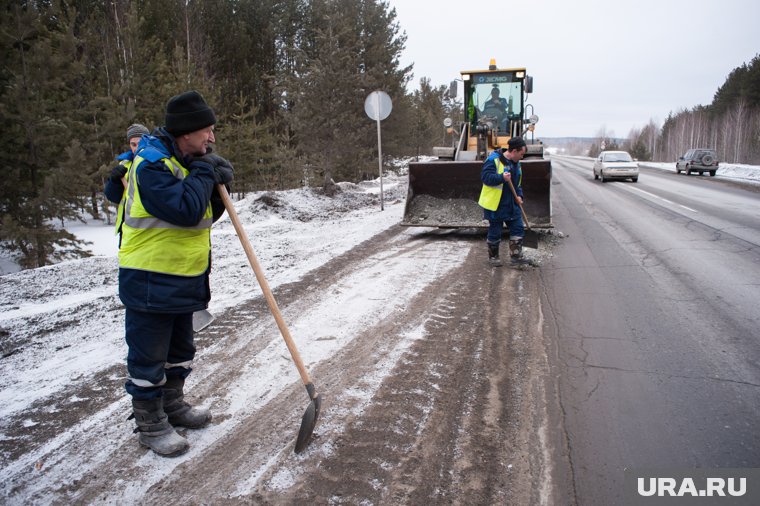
{"x":257,"y":408}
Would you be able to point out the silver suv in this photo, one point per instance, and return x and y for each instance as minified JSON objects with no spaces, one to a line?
{"x":698,"y":160}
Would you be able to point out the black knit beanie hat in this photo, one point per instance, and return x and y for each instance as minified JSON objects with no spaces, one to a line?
{"x":187,"y":113}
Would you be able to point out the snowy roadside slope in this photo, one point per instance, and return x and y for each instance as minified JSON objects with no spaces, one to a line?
{"x":63,"y":323}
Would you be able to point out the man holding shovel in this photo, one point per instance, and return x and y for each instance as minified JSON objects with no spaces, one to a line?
{"x":501,"y":205}
{"x":164,"y":265}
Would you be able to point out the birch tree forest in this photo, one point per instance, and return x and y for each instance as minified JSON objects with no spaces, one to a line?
{"x":730,"y":124}
{"x":287,"y":79}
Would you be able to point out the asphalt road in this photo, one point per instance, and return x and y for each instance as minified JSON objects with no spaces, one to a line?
{"x":652,"y":324}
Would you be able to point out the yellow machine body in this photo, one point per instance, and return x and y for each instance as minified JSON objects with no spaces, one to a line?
{"x":444,"y":192}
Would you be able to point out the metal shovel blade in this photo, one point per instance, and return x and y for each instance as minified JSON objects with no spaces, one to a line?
{"x":309,"y":420}
{"x":531,"y":239}
{"x":201,"y":320}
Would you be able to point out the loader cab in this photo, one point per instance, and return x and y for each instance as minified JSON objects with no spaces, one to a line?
{"x":444,"y":193}
{"x":494,"y":106}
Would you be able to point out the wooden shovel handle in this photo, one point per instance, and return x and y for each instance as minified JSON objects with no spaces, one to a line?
{"x":514,"y":194}
{"x":263,"y":283}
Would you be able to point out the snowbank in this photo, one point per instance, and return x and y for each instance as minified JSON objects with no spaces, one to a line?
{"x":735,"y":171}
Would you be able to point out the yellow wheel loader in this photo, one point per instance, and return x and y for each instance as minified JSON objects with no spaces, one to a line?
{"x":444,"y":192}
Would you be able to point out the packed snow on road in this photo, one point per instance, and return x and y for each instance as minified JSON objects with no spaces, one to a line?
{"x":61,"y":328}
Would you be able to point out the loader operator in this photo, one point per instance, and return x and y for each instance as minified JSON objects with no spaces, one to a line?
{"x":497,"y":107}
{"x":499,"y":206}
{"x":164,"y":265}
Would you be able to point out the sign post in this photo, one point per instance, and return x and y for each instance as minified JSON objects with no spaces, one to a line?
{"x":378,"y":106}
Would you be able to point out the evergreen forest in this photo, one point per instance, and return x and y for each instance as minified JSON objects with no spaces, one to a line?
{"x":286,"y":78}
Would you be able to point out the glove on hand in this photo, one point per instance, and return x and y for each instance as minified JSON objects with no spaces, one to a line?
{"x":197,"y":162}
{"x":117,"y":173}
{"x":223,"y":170}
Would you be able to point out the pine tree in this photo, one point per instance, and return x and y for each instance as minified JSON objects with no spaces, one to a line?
{"x":35,"y":128}
{"x":430,"y":112}
{"x":350,"y":49}
{"x":287,"y":79}
{"x":325,"y":105}
{"x":251,"y":145}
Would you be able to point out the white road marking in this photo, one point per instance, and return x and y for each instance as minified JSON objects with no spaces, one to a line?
{"x":660,"y":198}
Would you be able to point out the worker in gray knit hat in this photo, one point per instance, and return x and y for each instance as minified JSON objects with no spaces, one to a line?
{"x":120,"y":171}
{"x":134,"y":134}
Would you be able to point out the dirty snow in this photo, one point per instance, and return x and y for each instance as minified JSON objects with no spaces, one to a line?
{"x":63,"y":323}
{"x":54,"y":314}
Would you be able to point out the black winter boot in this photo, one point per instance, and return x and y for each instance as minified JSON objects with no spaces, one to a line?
{"x":155,"y":431}
{"x":493,"y":255}
{"x":515,"y":249}
{"x":180,"y":413}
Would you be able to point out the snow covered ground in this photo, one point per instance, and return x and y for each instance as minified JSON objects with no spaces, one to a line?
{"x":63,"y":323}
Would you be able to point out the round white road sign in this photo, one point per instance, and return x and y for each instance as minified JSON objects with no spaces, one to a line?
{"x":378,"y":105}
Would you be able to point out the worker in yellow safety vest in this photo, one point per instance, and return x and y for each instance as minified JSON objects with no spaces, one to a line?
{"x":499,"y":205}
{"x":164,"y":265}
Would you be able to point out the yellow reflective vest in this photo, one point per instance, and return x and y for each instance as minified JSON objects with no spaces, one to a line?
{"x":151,"y":244}
{"x":491,"y":195}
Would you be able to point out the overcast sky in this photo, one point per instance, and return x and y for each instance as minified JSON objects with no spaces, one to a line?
{"x":594,"y":63}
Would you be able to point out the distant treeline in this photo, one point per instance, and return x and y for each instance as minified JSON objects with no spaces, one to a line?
{"x":287,"y":79}
{"x":730,"y":124}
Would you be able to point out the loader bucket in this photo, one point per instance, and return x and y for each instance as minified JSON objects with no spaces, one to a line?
{"x":536,"y":185}
{"x":445,"y":194}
